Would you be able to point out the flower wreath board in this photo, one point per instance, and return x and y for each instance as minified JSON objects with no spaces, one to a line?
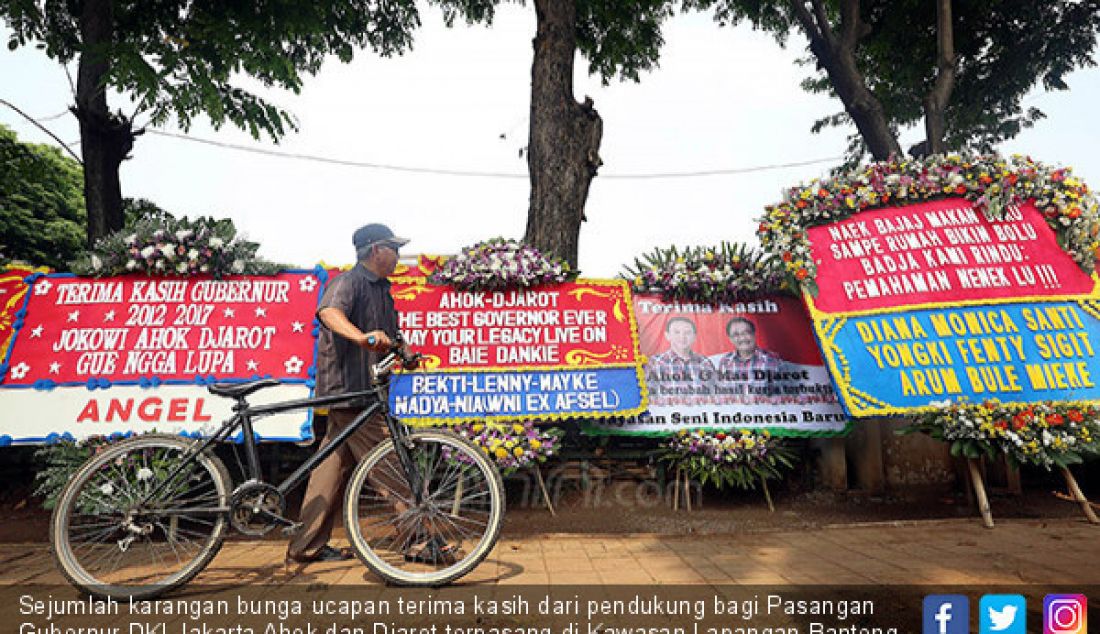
{"x":777,"y":381}
{"x":952,"y":279}
{"x":546,"y":352}
{"x":135,"y":353}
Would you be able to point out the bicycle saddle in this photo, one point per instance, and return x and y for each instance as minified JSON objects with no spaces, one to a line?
{"x":240,"y":390}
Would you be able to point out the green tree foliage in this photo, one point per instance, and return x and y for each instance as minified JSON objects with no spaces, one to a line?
{"x":41,"y":203}
{"x":1002,"y":49}
{"x":179,"y":59}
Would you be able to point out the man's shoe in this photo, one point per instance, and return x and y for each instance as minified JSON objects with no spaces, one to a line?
{"x":328,"y":553}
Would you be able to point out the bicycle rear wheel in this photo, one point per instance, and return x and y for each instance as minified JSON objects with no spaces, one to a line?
{"x":448,"y":534}
{"x":109,"y":541}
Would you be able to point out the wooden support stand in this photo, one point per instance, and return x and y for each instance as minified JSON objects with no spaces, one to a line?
{"x":979,"y":490}
{"x":545,"y":493}
{"x":681,"y":490}
{"x":1079,"y":497}
{"x":767,"y":494}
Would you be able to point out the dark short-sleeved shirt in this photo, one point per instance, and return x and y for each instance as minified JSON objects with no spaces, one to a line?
{"x":343,"y":366}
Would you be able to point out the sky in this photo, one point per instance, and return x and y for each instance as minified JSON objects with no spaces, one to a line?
{"x":722,"y":99}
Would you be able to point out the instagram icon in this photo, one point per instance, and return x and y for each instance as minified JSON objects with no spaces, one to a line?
{"x":1065,"y":614}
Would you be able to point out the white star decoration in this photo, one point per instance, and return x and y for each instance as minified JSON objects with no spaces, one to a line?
{"x":293,"y":365}
{"x":109,"y":315}
{"x":55,"y":368}
{"x":261,"y":311}
{"x":73,"y":316}
{"x":42,"y":287}
{"x":229,"y":312}
{"x":297,"y":327}
{"x":37,"y":331}
{"x":307,"y":284}
{"x":20,"y":370}
{"x":253,"y":366}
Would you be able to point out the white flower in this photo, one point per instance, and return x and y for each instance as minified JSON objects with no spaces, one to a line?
{"x":169,"y":251}
{"x":20,"y":370}
{"x":144,"y":473}
{"x":131,"y":265}
{"x":307,"y":284}
{"x":193,"y":254}
{"x":205,"y":268}
{"x":216,"y":243}
{"x":181,"y":267}
{"x":237,"y":266}
{"x":107,"y":489}
{"x":148,"y":251}
{"x":131,"y":239}
{"x":96,"y":262}
{"x":184,"y":234}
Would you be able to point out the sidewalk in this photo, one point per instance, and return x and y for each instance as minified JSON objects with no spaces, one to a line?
{"x":937,"y":552}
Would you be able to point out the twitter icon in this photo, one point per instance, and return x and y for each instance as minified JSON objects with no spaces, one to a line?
{"x":1003,"y":614}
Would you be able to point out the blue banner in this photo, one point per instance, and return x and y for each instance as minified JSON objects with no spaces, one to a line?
{"x":548,"y":394}
{"x":1017,"y":352}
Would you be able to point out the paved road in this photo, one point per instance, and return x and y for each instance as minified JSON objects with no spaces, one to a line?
{"x":1060,"y":551}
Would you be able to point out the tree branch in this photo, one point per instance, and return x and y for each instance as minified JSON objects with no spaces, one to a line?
{"x":820,"y":42}
{"x":851,"y":27}
{"x":935,"y":102}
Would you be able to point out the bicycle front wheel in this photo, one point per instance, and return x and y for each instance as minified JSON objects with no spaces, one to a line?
{"x":447,"y":533}
{"x":139,"y":518}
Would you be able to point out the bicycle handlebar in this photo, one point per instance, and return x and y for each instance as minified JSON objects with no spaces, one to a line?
{"x":397,"y":354}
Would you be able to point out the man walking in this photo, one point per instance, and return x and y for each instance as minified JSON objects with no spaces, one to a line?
{"x":358,"y":323}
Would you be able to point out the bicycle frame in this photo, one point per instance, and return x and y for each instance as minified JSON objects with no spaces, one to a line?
{"x":243,"y":419}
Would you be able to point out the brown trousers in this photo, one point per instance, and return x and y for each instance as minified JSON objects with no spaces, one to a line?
{"x":324,"y":496}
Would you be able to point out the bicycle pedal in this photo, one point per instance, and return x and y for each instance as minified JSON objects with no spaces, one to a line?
{"x":292,"y":529}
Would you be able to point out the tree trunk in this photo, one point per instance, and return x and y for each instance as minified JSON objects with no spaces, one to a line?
{"x":564,"y":143}
{"x":935,"y":102}
{"x":105,"y":139}
{"x":835,"y":51}
{"x":862,"y":105}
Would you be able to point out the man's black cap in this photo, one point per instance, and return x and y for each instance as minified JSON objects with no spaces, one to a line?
{"x":375,"y":233}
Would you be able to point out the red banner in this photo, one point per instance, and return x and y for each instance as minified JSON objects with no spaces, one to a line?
{"x":132,"y":328}
{"x":940,"y":252}
{"x":561,"y":326}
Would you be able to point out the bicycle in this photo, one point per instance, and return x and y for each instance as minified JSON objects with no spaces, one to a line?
{"x":146,"y":515}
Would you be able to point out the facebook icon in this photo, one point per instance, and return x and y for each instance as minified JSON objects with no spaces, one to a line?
{"x":946,"y":614}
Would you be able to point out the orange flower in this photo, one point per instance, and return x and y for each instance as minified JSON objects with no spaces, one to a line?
{"x":801,"y":204}
{"x":801,"y":274}
{"x":787,"y":257}
{"x":1075,"y":416}
{"x":984,"y":179}
{"x":1054,"y":420}
{"x":1074,"y":213}
{"x":960,"y":189}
